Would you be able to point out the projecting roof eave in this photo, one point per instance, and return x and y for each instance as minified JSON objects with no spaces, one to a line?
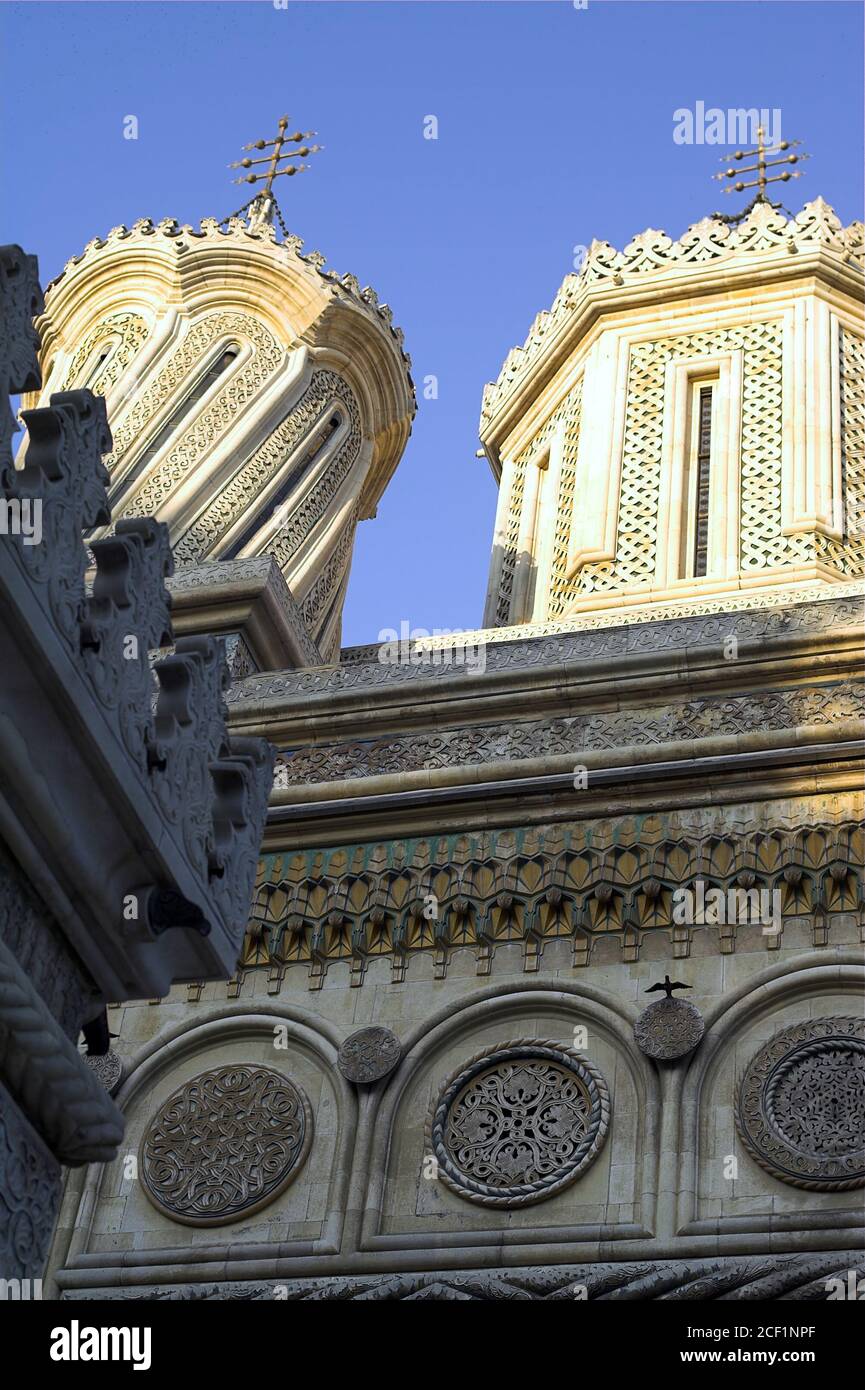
{"x":711,"y":258}
{"x":842,"y":276}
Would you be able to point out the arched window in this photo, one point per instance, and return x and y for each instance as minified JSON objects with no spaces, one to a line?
{"x":318,"y":442}
{"x":171,"y":426}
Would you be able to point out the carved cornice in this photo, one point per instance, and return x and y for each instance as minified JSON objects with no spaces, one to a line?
{"x":248,"y":596}
{"x":709,"y":255}
{"x":577,"y":880}
{"x":553,"y":645}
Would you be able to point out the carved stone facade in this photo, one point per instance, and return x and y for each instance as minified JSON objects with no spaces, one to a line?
{"x":435,"y":1072}
{"x":129,"y":819}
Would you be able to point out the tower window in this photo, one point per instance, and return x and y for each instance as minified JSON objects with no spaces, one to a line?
{"x":321,"y":437}
{"x":703,"y":463}
{"x":219,"y":365}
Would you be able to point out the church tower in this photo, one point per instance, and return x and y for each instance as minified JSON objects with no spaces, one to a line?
{"x":683,"y":428}
{"x":258,"y":402}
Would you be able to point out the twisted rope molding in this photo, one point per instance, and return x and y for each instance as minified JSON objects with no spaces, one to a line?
{"x":520,"y":1194}
{"x":45,"y":1076}
{"x":759,"y":1127}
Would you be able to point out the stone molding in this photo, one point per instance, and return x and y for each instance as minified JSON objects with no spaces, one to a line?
{"x":565,"y":645}
{"x":787,"y":1278}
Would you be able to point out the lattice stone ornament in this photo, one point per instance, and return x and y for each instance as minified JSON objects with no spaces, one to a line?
{"x":519,"y":1122}
{"x":801,"y":1105}
{"x":225,"y":1144}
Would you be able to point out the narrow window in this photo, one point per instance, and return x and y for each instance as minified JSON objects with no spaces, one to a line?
{"x":704,"y":452}
{"x":320,"y":439}
{"x":96,"y":363}
{"x":219,"y":365}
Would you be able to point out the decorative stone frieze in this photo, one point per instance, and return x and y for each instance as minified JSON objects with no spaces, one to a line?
{"x":579,"y":881}
{"x":805,"y":1278}
{"x":572,"y":736}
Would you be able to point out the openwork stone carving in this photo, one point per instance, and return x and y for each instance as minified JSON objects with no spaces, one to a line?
{"x":224,"y":1144}
{"x":668,"y":1029}
{"x":519,"y":1122}
{"x":801,"y":1108}
{"x":369,"y":1054}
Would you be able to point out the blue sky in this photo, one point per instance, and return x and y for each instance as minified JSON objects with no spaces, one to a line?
{"x":555,"y":126}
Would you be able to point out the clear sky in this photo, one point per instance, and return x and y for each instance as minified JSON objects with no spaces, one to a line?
{"x":555,"y":126}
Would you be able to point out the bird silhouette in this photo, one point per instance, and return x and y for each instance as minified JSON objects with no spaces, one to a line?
{"x":668,"y":986}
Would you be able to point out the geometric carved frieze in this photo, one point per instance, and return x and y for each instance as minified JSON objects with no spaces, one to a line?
{"x":518,"y":1122}
{"x":572,"y":735}
{"x":225,"y":1144}
{"x":577,"y":880}
{"x":801,"y":1105}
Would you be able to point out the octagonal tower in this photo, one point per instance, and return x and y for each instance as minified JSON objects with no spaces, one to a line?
{"x":685,"y":426}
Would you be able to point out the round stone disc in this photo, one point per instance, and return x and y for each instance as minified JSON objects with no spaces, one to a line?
{"x":669,"y":1028}
{"x":108,"y":1068}
{"x":368,"y":1055}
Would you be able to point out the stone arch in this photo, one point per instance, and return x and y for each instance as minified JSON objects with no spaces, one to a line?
{"x":542,"y":1008}
{"x":816,"y":983}
{"x":316,"y":1197}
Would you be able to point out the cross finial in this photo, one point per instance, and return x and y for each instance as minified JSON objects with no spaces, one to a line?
{"x":763,"y":179}
{"x":263,"y":204}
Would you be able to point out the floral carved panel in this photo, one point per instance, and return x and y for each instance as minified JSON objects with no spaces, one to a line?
{"x":519,"y":1122}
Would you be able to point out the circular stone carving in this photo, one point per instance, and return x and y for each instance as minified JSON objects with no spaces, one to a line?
{"x":519,"y":1122}
{"x":108,"y":1069}
{"x":801,"y":1106}
{"x":225,"y":1144}
{"x":368,"y":1055}
{"x":669,"y":1028}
